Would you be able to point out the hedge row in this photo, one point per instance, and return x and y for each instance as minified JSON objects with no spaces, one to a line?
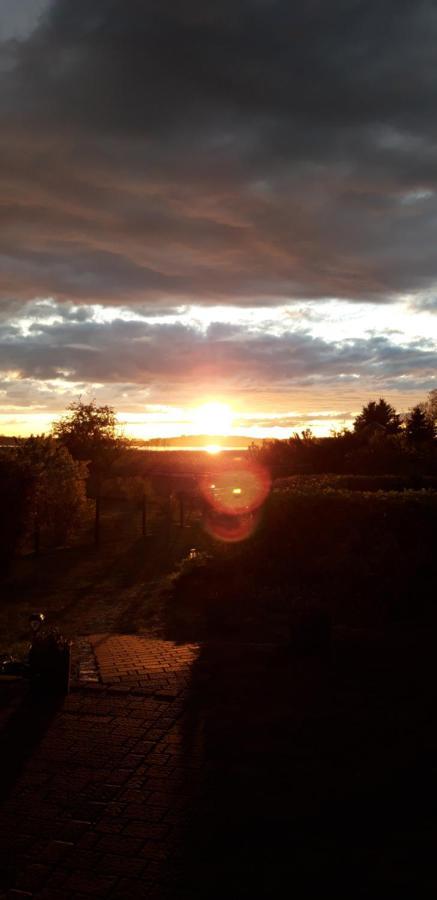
{"x":358,"y":482}
{"x":366,"y":556}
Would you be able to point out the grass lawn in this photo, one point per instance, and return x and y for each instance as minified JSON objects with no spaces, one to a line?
{"x":84,"y":589}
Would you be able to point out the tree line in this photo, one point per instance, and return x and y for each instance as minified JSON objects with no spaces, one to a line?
{"x":381,"y":441}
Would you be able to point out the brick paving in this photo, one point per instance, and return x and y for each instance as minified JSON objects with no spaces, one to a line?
{"x":154,"y":667}
{"x":102,"y":798}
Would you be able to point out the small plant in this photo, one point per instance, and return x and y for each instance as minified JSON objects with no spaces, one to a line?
{"x":196,"y":559}
{"x":49,"y":659}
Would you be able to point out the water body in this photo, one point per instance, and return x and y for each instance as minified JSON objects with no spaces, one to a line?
{"x":197,"y":449}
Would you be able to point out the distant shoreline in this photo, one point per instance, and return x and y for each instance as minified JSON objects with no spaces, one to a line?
{"x":190,"y":443}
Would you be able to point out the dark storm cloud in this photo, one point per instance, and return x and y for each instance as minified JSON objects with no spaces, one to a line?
{"x":244,"y":151}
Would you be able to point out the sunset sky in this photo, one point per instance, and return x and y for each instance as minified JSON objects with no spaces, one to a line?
{"x":228,"y":203}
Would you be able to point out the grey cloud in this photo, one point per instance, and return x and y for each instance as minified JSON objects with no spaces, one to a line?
{"x":19,"y":20}
{"x":245,"y":152}
{"x":140,"y":353}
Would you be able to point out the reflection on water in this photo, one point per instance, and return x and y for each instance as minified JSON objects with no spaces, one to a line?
{"x":210,"y":448}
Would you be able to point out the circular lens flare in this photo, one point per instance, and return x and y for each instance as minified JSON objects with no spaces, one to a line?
{"x":230,"y":528}
{"x":237,"y":490}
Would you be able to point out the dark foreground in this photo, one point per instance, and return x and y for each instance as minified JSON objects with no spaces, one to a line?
{"x":231,"y":771}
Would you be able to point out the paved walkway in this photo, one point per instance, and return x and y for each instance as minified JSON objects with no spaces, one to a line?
{"x":105,"y":779}
{"x":125,"y":662}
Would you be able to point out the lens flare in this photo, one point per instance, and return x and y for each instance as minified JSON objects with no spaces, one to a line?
{"x":231,"y":529}
{"x":237,"y":490}
{"x":234,"y":497}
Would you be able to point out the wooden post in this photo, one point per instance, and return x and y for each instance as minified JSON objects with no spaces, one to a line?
{"x":36,"y":536}
{"x":169,"y":515}
{"x":97,"y":517}
{"x":181,"y":510}
{"x":144,"y":516}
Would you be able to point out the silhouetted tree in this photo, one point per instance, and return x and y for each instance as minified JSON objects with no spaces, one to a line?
{"x":378,"y":416}
{"x":419,"y":427}
{"x":91,"y":433}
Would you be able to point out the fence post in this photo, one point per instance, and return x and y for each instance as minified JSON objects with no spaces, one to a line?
{"x":97,"y":518}
{"x":169,"y":515}
{"x":36,"y":536}
{"x":144,"y":516}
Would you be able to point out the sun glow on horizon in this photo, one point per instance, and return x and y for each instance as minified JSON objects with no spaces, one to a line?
{"x":213,"y":418}
{"x":213,"y":449}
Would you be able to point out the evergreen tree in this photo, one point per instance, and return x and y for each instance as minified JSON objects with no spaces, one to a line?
{"x":419,"y":427}
{"x":378,"y":416}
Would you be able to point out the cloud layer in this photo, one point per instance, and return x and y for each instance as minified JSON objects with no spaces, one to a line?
{"x":245,"y":151}
{"x":53,"y":352}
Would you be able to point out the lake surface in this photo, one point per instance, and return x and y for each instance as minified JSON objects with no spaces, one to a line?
{"x":195,"y":449}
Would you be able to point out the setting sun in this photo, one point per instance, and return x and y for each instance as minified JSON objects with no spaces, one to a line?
{"x":213,"y":418}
